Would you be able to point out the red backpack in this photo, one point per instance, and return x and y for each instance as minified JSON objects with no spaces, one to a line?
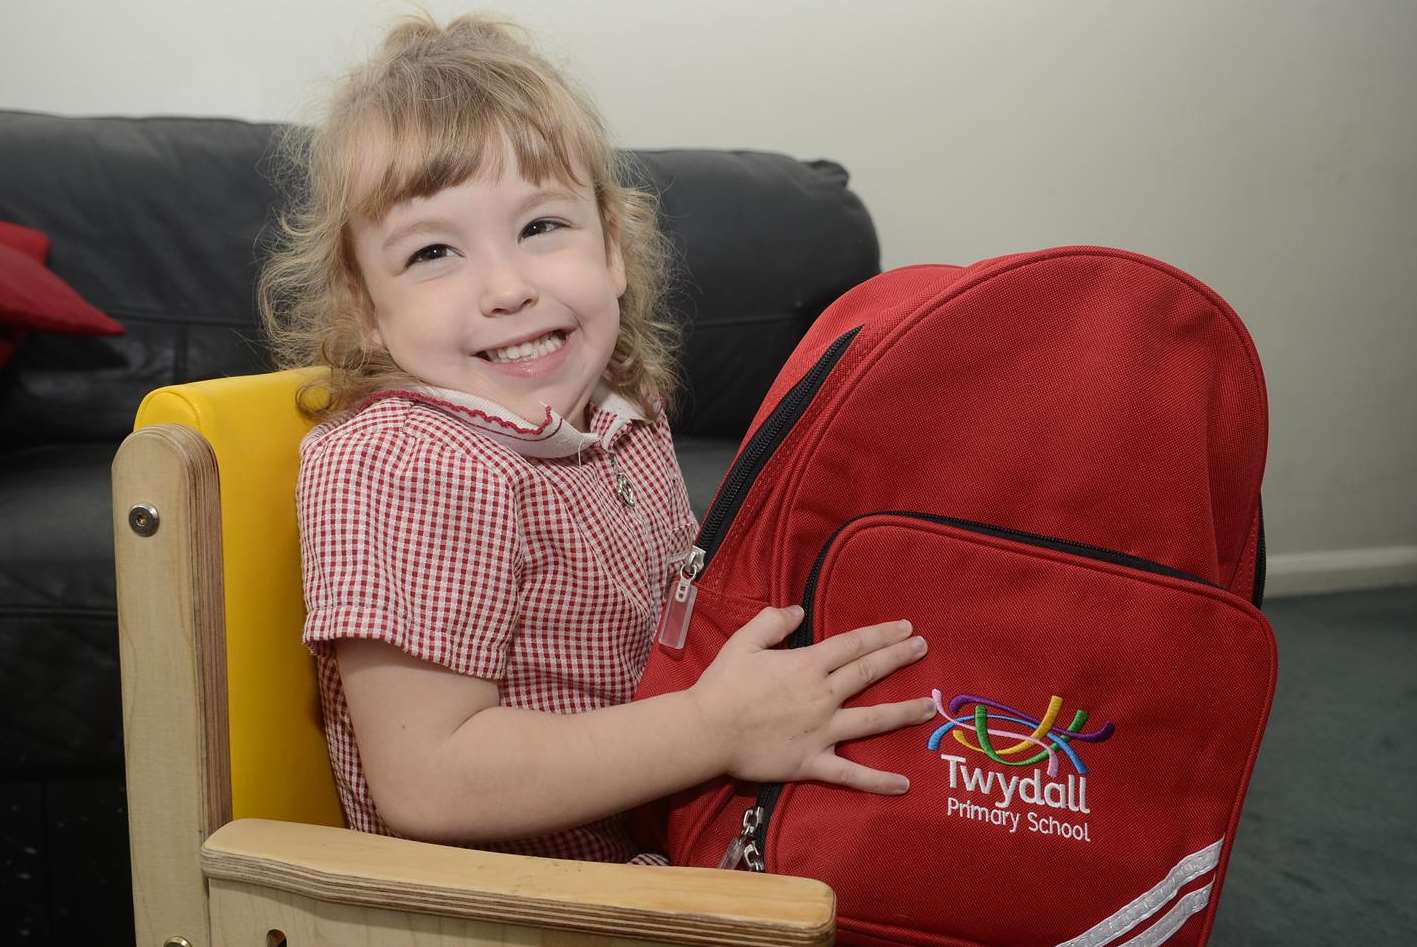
{"x":1050,"y":463}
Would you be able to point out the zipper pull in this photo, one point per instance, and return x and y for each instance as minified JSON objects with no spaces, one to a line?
{"x":679,"y":604}
{"x":743,"y":850}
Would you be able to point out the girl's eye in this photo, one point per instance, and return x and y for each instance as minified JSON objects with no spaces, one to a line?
{"x":434,"y":251}
{"x":541,"y":225}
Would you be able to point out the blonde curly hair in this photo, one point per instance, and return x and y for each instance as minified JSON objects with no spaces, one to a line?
{"x":427,"y":112}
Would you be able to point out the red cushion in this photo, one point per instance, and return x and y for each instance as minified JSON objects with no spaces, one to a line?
{"x":27,"y":240}
{"x":33,"y":298}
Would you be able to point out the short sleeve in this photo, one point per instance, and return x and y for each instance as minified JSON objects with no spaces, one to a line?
{"x":410,"y":541}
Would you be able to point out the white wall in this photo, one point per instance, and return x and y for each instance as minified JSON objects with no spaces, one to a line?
{"x":1268,"y":146}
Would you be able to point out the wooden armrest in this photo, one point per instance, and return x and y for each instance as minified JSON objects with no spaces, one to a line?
{"x":689,"y":905}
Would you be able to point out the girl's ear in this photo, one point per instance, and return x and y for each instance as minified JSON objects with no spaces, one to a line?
{"x":369,"y":338}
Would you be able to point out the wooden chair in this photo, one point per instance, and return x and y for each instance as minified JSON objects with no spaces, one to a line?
{"x":236,"y":830}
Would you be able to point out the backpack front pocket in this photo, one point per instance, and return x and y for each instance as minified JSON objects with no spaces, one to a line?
{"x":1099,"y":719}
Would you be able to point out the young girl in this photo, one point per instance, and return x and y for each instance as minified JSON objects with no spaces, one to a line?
{"x":490,"y":508}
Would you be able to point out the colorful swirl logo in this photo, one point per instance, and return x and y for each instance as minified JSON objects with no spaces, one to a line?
{"x":987,"y":720}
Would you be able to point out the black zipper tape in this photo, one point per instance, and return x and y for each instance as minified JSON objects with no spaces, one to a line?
{"x":1260,"y":561}
{"x":803,"y":635}
{"x":771,"y":433}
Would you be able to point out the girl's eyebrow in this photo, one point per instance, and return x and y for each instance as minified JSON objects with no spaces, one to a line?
{"x":545,"y":195}
{"x":417,"y":225}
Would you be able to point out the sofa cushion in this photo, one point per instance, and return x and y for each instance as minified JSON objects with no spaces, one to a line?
{"x":770,"y":242}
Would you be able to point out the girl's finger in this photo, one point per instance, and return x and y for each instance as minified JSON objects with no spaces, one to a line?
{"x":830,"y":768}
{"x":767,"y":628}
{"x":853,"y":723}
{"x":842,"y":649}
{"x":860,"y":674}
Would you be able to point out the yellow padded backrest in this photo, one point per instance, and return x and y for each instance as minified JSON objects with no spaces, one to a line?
{"x":279,"y":765}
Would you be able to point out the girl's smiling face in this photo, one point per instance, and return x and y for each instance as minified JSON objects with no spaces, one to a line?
{"x":498,"y":288}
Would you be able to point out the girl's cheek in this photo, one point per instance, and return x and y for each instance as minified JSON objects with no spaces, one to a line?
{"x":591,"y":276}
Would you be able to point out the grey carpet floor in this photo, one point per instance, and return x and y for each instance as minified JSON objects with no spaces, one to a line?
{"x":1326,"y":852}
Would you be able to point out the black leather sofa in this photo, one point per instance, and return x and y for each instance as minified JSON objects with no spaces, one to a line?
{"x":159,"y":222}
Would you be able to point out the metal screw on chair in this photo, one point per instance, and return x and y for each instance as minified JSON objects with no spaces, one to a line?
{"x":175,"y":941}
{"x":143,"y":521}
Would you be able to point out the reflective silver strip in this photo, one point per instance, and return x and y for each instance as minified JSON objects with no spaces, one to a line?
{"x":1187,"y":870}
{"x":1172,"y":920}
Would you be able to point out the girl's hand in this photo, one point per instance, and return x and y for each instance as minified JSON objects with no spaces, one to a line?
{"x":776,"y":715}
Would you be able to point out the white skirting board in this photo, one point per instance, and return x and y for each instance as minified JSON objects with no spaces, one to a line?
{"x":1302,"y":573}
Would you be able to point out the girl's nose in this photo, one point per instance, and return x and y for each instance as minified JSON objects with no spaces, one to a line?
{"x":507,"y":291}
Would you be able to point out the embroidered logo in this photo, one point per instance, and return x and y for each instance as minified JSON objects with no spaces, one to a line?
{"x":1034,"y":740}
{"x":987,"y":718}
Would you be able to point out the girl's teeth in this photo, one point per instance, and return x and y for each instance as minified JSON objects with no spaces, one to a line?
{"x":537,"y":348}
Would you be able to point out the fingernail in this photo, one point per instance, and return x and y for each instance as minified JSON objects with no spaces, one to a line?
{"x":906,"y":627}
{"x":794,"y":610}
{"x":901,"y":784}
{"x":918,"y":646}
{"x":928,"y":710}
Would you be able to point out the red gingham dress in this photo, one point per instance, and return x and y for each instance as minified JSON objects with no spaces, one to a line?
{"x":535,"y":556}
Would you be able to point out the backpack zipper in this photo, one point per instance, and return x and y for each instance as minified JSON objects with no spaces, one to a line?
{"x":764,"y":442}
{"x":674,"y":620}
{"x":750,"y":847}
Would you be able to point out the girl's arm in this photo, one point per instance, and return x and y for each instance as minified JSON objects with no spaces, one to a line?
{"x":445,"y":762}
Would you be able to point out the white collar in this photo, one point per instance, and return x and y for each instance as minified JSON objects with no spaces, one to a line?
{"x":553,"y":436}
